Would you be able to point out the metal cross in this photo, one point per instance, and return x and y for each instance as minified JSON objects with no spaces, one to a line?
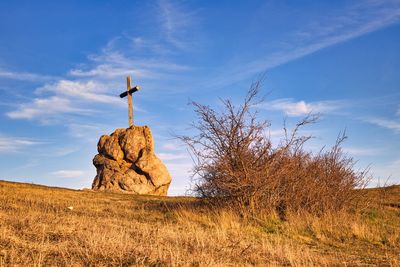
{"x":129,"y":91}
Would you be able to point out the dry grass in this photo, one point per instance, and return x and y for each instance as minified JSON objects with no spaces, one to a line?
{"x":104,"y":229}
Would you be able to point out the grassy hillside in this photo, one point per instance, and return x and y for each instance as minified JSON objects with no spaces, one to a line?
{"x":38,"y":229}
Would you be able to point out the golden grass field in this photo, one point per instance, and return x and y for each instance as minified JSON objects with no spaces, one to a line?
{"x":103,"y":229}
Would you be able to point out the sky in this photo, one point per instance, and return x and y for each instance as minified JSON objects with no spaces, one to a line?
{"x":63,"y":65}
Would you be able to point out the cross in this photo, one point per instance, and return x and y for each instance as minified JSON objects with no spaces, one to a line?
{"x":129,"y":91}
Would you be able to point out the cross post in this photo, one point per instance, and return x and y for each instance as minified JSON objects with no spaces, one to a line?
{"x":130,"y":111}
{"x":129,"y":91}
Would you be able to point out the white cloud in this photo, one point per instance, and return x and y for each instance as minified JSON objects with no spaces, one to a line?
{"x":86,"y":130}
{"x":174,"y":146}
{"x":45,"y":107}
{"x":275,"y":133}
{"x":138,"y":41}
{"x":386,"y":172}
{"x":90,"y":91}
{"x":24,"y":76}
{"x":68,"y":97}
{"x":299,"y":108}
{"x":176,"y":23}
{"x":68,"y":173}
{"x":109,"y":71}
{"x":357,"y":20}
{"x":172,"y":156}
{"x":64,"y":151}
{"x":390,"y":124}
{"x":360,"y":151}
{"x":111,"y":63}
{"x":73,"y":96}
{"x":98,"y":79}
{"x":10,"y":144}
{"x":180,"y":172}
{"x":90,"y":132}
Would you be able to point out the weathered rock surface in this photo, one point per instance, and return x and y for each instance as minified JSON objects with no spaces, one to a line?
{"x":127,"y":163}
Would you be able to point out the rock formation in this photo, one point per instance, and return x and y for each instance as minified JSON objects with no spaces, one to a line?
{"x":127,"y":163}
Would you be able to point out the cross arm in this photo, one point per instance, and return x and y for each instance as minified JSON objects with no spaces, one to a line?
{"x":131,"y":91}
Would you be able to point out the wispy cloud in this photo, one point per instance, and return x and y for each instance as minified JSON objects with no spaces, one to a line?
{"x":362,"y":151}
{"x":82,"y":130}
{"x":111,"y":63}
{"x":90,"y":91}
{"x":97,"y":79}
{"x":357,"y":20}
{"x":96,"y":85}
{"x":89,"y":86}
{"x":64,"y":151}
{"x":179,"y":164}
{"x":299,"y":108}
{"x":45,"y":108}
{"x":172,"y":156}
{"x":10,"y":144}
{"x":68,"y":173}
{"x":172,"y":146}
{"x":176,"y":23}
{"x":89,"y":131}
{"x":391,"y":124}
{"x":388,"y":171}
{"x":181,"y":172}
{"x":25,"y":76}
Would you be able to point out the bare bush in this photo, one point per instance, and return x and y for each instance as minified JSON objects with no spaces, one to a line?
{"x":236,"y":163}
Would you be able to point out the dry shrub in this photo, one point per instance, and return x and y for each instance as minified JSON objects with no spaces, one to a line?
{"x":237,"y":164}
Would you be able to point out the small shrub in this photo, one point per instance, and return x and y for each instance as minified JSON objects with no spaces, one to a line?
{"x":236,"y":164}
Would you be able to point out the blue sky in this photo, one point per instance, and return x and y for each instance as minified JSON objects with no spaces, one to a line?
{"x":64,"y":63}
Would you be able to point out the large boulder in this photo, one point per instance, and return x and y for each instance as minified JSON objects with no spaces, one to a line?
{"x":127,"y":163}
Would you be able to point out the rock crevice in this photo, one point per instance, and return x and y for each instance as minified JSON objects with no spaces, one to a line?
{"x":127,"y":163}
